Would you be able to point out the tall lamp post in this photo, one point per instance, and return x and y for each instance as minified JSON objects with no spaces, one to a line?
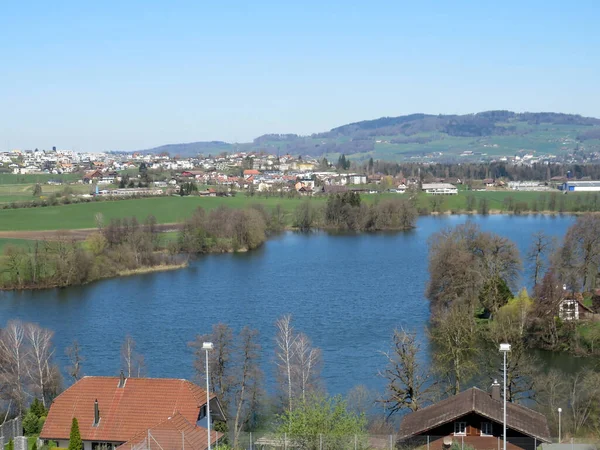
{"x":504,"y":348}
{"x":559,"y":424}
{"x":208,"y":346}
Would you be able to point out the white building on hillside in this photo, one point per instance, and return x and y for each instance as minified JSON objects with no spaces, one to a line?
{"x":440,"y":188}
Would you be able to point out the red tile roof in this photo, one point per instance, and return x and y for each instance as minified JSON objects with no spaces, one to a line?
{"x":173,"y":433}
{"x":251,"y":172}
{"x":124,"y":412}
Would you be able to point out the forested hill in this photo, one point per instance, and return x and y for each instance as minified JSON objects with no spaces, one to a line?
{"x":489,"y":134}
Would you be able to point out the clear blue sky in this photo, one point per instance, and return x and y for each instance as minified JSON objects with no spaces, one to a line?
{"x":107,"y":75}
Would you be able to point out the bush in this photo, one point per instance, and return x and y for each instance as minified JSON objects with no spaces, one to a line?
{"x":30,"y":424}
{"x":41,"y":422}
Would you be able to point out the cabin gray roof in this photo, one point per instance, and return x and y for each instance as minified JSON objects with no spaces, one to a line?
{"x":474,"y":400}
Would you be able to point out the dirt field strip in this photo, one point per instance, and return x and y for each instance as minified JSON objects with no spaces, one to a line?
{"x":79,"y":234}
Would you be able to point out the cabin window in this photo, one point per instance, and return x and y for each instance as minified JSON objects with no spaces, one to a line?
{"x":202,"y":414}
{"x":460,"y":428}
{"x":486,"y":429}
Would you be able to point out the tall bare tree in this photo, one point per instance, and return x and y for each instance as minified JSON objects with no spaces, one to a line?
{"x":75,"y":361}
{"x":541,"y":247}
{"x":235,"y":374}
{"x":306,"y":365}
{"x":298,"y":362}
{"x":41,"y":370}
{"x":13,"y":370}
{"x":455,"y":345}
{"x":132,"y":362}
{"x":285,"y":353}
{"x":409,"y":384}
{"x":219,"y":361}
{"x":247,"y":384}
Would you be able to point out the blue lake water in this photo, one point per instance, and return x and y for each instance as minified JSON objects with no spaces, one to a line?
{"x":346,"y":292}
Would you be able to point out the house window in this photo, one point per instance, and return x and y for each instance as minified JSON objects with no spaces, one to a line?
{"x":102,"y":446}
{"x":460,"y":428}
{"x":202,"y":414}
{"x":486,"y":429}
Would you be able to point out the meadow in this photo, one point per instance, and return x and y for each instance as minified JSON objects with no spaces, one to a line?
{"x":22,"y":192}
{"x":175,"y":209}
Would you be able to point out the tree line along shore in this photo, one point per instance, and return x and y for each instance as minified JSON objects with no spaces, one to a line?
{"x":124,"y":246}
{"x":117,"y":242}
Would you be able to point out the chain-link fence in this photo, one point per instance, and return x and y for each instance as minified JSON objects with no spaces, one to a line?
{"x":267,"y":441}
{"x":11,"y":429}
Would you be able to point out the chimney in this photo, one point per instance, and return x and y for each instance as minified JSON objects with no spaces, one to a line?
{"x":96,"y":414}
{"x":122,"y":380}
{"x":496,"y":390}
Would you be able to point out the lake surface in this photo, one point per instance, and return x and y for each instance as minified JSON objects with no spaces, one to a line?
{"x":346,"y":292}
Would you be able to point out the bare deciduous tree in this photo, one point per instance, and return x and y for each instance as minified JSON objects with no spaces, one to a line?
{"x":298,"y":362}
{"x":537,"y":255}
{"x":248,"y":380}
{"x":41,"y":371}
{"x":13,"y":372}
{"x":219,"y":361}
{"x":235,"y":374}
{"x":469,"y":266}
{"x":454,"y":338}
{"x":132,"y":362}
{"x":285,"y":355}
{"x":409,"y":385}
{"x":75,"y":360}
{"x":306,"y":365}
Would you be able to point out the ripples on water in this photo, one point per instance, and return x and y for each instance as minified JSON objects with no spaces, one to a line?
{"x":346,"y":292}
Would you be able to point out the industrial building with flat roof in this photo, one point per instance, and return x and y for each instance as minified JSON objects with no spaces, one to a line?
{"x":581,"y":186}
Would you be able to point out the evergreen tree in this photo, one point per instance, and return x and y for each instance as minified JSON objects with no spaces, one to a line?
{"x":37,"y":408}
{"x":75,"y":442}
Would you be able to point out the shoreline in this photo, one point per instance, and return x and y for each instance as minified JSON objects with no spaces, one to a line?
{"x":82,"y":233}
{"x":122,"y":273}
{"x":49,"y":234}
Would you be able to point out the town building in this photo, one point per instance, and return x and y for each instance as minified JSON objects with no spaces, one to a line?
{"x":120,"y":412}
{"x":440,"y":188}
{"x":581,"y":186}
{"x":474,"y":418}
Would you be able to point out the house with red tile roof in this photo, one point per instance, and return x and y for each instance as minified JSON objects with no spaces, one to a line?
{"x":126,"y":412}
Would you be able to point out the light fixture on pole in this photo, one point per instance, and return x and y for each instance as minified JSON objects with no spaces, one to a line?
{"x":504,"y":348}
{"x":207,"y":346}
{"x":559,"y":424}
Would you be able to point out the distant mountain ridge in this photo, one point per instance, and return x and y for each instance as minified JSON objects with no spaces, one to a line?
{"x":410,"y":135}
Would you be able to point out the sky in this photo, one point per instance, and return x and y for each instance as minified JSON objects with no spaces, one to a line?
{"x":130,"y":75}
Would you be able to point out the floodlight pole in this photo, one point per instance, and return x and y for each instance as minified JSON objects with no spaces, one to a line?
{"x":504,"y":348}
{"x":207,"y":346}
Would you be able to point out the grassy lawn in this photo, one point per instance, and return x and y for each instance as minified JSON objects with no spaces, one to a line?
{"x":165,"y":209}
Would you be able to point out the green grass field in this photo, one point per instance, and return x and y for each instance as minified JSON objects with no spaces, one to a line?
{"x":176,"y":209}
{"x":24,"y":192}
{"x":165,"y":209}
{"x":16,"y":242}
{"x":9,"y":178}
